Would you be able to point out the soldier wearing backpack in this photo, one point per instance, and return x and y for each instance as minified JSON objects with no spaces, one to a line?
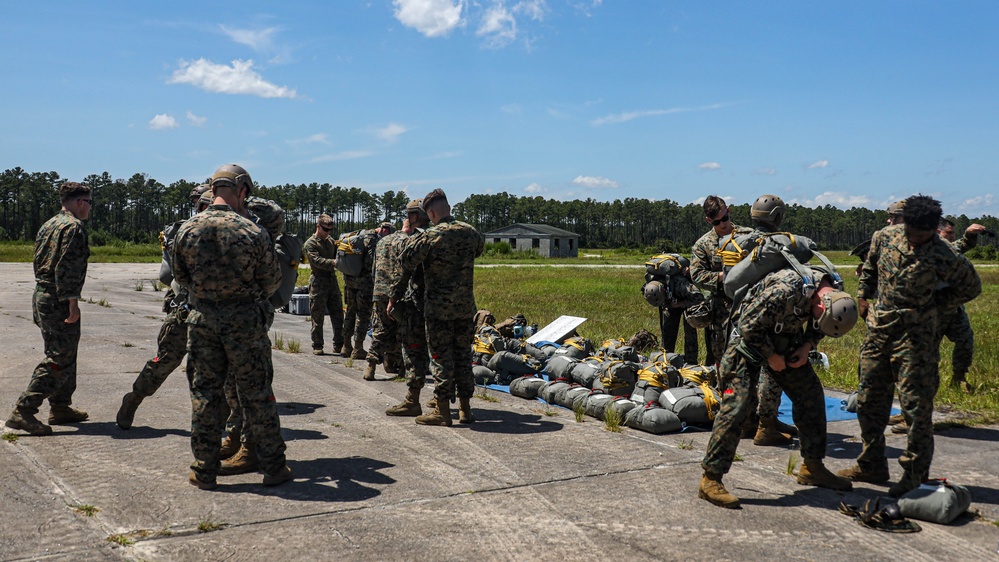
{"x":358,"y":292}
{"x":776,"y":325}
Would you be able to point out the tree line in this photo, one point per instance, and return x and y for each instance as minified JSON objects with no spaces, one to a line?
{"x":137,"y":208}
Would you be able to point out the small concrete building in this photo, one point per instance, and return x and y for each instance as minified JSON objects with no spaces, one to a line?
{"x":547,"y":241}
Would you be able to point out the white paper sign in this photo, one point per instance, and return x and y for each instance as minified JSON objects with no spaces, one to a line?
{"x":557,"y":329}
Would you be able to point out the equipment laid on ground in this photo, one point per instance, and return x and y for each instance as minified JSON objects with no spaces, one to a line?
{"x":935,"y":500}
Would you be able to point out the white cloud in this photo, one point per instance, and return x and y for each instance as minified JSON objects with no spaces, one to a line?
{"x":498,"y":26}
{"x":534,"y":188}
{"x":196,"y":120}
{"x":258,"y":40}
{"x":977,"y":203}
{"x":766,"y":171}
{"x":709,"y":166}
{"x":837,"y":199}
{"x":346,"y":155}
{"x":240,"y":78}
{"x":819,"y":164}
{"x":432,"y":18}
{"x":512,"y":109}
{"x":595,"y":182}
{"x":317,"y":138}
{"x":163,"y":121}
{"x":534,"y":9}
{"x":630,"y":115}
{"x":391,"y":132}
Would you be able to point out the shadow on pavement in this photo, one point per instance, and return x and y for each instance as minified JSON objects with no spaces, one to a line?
{"x":329,"y":480}
{"x":297,"y":408}
{"x":513,"y":423}
{"x":111,"y":429}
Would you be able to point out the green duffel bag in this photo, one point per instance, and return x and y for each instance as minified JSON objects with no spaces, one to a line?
{"x":593,"y":404}
{"x":645,"y":392}
{"x":560,"y":366}
{"x":935,"y":500}
{"x":550,"y":389}
{"x":693,"y":404}
{"x":662,"y":356}
{"x":577,"y":347}
{"x":619,"y":377}
{"x":526,"y":386}
{"x":653,"y":418}
{"x":621,"y":406}
{"x":568,"y":398}
{"x":483,"y":375}
{"x":585,"y":373}
{"x":509,"y":366}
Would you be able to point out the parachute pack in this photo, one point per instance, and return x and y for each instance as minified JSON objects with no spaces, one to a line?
{"x":750,"y":257}
{"x":350,"y":252}
{"x":666,"y":283}
{"x":270,"y":216}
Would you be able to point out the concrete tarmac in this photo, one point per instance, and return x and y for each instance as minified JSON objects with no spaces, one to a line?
{"x":526,"y":482}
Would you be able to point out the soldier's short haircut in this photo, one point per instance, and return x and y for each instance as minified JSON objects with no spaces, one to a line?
{"x":325,"y":220}
{"x":71,"y":190}
{"x":713,"y":204}
{"x":922,"y":212}
{"x":434,"y":197}
{"x":944,"y":223}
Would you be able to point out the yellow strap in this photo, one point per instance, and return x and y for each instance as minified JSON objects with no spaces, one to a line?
{"x":483,"y":345}
{"x":609,"y":381}
{"x":575,"y":342}
{"x":652,"y":375}
{"x":733,"y":256}
{"x":662,"y":258}
{"x":709,"y":400}
{"x":162,"y":242}
{"x":697,"y":375}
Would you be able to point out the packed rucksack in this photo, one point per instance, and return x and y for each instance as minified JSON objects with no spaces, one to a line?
{"x":653,"y":418}
{"x":288,"y":246}
{"x":350,"y":249}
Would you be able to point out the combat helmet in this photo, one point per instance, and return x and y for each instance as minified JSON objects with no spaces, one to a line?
{"x":768,"y":209}
{"x":839,"y":314}
{"x":416,"y":206}
{"x":699,"y":316}
{"x":655,"y":293}
{"x":896,"y":208}
{"x":233,"y":175}
{"x":197,"y":192}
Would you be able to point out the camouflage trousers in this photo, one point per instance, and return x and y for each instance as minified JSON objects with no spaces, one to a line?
{"x":412,"y":328}
{"x":738,"y":380}
{"x":957,"y":328}
{"x":231,"y":340}
{"x":385,"y":340}
{"x":357,"y":319}
{"x":450,"y":344}
{"x":669,"y":326}
{"x":171,"y":346}
{"x":55,"y":377}
{"x":908,"y":354}
{"x":324,"y":298}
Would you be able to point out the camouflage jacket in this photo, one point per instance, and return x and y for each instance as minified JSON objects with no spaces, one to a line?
{"x":220,"y":255}
{"x":322,"y":256}
{"x":911,"y":284}
{"x":705,"y":263}
{"x":447,"y":252}
{"x":772,"y":314}
{"x":61,"y":252}
{"x":387,"y":269}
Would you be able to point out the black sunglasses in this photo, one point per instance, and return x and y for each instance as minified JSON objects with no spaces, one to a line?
{"x":87,"y":201}
{"x":721,"y":220}
{"x":326,"y":229}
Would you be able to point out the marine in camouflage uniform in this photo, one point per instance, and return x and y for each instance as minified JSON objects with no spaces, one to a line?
{"x":60,"y":265}
{"x":171,"y":343}
{"x":904,"y":268}
{"x":447,"y":252}
{"x":324,"y":290}
{"x":768,"y":335}
{"x":358,"y":291}
{"x":385,"y":344}
{"x":956,"y":325}
{"x":230,"y":268}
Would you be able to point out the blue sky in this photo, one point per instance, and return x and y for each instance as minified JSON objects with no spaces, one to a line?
{"x":847,"y":103}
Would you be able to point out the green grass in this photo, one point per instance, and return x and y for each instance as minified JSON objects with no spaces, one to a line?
{"x":120,"y":539}
{"x":611,"y":300}
{"x":20,"y":251}
{"x":294,"y":346}
{"x":484,"y":395}
{"x":792,"y":461}
{"x":278,"y":340}
{"x":207,"y":525}
{"x":10,"y":437}
{"x":612,"y":420}
{"x":85,"y":509}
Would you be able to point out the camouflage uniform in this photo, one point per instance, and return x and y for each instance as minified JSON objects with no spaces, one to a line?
{"x":61,"y":252}
{"x":956,"y":325}
{"x":171,"y":343}
{"x":230,"y":268}
{"x":447,"y":252}
{"x":387,"y":272}
{"x":324,"y":291}
{"x":357,"y":292}
{"x":669,"y":327}
{"x":903,"y":341}
{"x":768,"y":321}
{"x":705,"y":263}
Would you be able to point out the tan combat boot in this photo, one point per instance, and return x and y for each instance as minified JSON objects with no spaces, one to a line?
{"x":768,"y":436}
{"x":280,"y":477}
{"x":346,"y":349}
{"x":369,"y":373}
{"x":409,"y":407}
{"x":814,"y":473}
{"x":60,"y":415}
{"x":230,"y":446}
{"x":958,"y":380}
{"x":785,"y":428}
{"x":432,"y":403}
{"x":714,"y":491}
{"x":359,"y":352}
{"x":465,"y":411}
{"x":857,"y":474}
{"x":244,"y":461}
{"x":126,"y":414}
{"x":896,"y":419}
{"x":27,"y":422}
{"x":440,"y":416}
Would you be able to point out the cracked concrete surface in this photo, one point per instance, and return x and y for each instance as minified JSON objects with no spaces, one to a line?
{"x":519,"y":484}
